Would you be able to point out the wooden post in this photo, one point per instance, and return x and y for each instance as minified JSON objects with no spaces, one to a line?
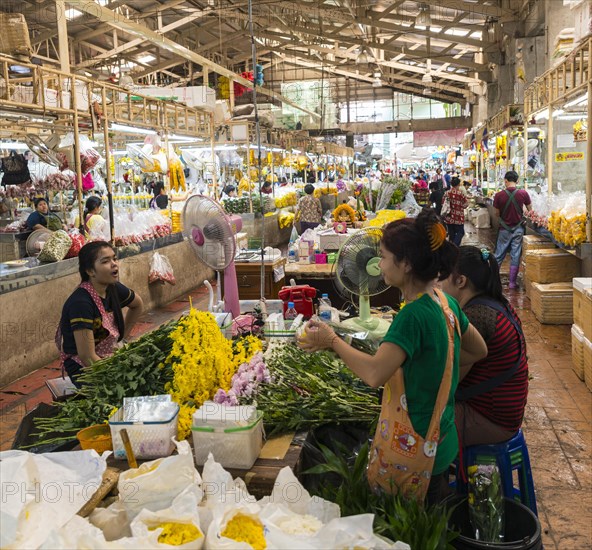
{"x":63,"y":50}
{"x":589,"y":161}
{"x":525,"y":151}
{"x":74,"y":100}
{"x":550,"y":150}
{"x":231,"y":96}
{"x":212,"y":142}
{"x":109,"y":176}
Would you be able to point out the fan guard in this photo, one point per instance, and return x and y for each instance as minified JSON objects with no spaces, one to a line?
{"x":36,"y":241}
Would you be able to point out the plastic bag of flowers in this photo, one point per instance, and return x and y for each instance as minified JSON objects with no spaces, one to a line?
{"x":486,"y":503}
{"x":178,"y":525}
{"x":236,"y":528}
{"x":220,"y":490}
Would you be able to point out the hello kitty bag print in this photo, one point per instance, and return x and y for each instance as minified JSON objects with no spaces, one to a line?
{"x":400,"y":459}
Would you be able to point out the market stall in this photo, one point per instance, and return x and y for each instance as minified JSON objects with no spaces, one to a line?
{"x":558,"y":104}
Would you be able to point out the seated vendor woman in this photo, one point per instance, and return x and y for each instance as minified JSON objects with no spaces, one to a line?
{"x":42,"y":218}
{"x":92,"y":320}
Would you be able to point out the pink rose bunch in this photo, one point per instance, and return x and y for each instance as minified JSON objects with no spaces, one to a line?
{"x":245,"y":383}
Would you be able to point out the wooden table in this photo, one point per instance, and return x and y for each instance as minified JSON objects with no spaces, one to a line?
{"x":248,"y":276}
{"x":277,"y":453}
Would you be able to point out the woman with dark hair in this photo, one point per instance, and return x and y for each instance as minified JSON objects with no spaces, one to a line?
{"x":309,"y":210}
{"x":455,"y":218}
{"x":94,"y":224}
{"x":491,"y":396}
{"x":92,"y":321}
{"x":417,"y":362}
{"x":160,"y":200}
{"x":42,"y":218}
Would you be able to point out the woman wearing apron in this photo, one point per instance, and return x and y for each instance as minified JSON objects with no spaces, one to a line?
{"x":92,"y":321}
{"x":417,"y":362}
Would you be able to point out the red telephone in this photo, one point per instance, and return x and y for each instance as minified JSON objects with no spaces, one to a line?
{"x":302,"y":296}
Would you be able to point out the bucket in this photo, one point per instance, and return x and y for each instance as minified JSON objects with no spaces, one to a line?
{"x":97,"y":437}
{"x":522,"y":528}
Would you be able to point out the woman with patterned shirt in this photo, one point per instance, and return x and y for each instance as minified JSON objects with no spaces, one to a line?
{"x":455,"y":219}
{"x":309,"y":209}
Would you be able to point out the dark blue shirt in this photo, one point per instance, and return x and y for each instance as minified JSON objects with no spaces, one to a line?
{"x":36,"y":218}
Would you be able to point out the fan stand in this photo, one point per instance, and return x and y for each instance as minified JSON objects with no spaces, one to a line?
{"x":374,"y":325}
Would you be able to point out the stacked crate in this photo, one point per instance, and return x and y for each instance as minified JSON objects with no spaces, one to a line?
{"x":530,"y":243}
{"x":581,"y":331}
{"x":550,"y":272}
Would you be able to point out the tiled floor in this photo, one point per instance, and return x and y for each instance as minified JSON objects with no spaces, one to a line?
{"x":557,"y":427}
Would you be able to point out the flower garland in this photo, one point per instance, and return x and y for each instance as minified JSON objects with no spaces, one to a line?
{"x":344,"y":208}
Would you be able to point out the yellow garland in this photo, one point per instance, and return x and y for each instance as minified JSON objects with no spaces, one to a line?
{"x":344,"y":208}
{"x":176,"y":534}
{"x":243,"y":528}
{"x":289,"y":199}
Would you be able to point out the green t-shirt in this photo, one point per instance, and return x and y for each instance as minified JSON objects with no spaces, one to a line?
{"x":420,"y":330}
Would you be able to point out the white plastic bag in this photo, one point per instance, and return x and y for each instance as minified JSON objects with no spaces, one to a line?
{"x":183,"y":510}
{"x":154,"y":485}
{"x":219,"y":487}
{"x":43,"y":492}
{"x":161,"y":270}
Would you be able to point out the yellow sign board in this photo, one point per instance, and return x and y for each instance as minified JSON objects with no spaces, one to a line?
{"x":568,"y":157}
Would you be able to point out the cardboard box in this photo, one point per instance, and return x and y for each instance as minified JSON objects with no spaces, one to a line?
{"x":588,"y":363}
{"x":582,"y":305}
{"x":552,"y":304}
{"x":577,"y":351}
{"x":546,"y":266}
{"x":535,"y":242}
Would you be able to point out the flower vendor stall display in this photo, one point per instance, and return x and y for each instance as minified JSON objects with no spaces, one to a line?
{"x":136,"y":226}
{"x":384,"y":217}
{"x":190,"y":359}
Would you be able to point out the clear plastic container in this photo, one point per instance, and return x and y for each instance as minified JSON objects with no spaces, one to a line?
{"x":231,"y":447}
{"x":148,"y":439}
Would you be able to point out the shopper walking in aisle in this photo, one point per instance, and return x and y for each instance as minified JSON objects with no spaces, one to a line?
{"x":438,"y":178}
{"x":92,"y":321}
{"x":455,"y":217}
{"x":491,"y":396}
{"x":309,"y":210}
{"x":417,"y":362}
{"x":509,"y":206}
{"x":436,"y":196}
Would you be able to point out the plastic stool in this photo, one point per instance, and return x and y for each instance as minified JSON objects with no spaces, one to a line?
{"x":509,"y":456}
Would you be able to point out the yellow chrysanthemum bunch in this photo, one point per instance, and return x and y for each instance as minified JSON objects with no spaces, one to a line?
{"x":243,"y":528}
{"x":289,"y":199}
{"x":203,"y":361}
{"x":285,"y":219}
{"x":386,"y":216}
{"x":319,"y":191}
{"x":568,"y":231}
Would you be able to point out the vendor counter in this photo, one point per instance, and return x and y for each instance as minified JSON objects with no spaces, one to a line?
{"x":32,"y":297}
{"x":320,"y":276}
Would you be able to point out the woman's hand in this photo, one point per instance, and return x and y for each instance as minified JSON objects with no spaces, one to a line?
{"x":317,"y":336}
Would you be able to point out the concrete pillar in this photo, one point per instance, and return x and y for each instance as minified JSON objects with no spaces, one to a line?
{"x":557,"y":18}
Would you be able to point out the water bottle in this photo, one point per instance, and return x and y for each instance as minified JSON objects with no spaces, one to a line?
{"x":291,"y":312}
{"x":325,"y":308}
{"x":292,"y":253}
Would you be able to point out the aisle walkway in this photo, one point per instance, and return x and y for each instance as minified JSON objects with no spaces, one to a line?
{"x":558,"y":423}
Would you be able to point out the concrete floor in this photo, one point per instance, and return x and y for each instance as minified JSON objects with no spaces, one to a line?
{"x":557,"y":426}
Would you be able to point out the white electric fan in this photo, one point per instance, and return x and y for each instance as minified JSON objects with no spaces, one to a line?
{"x":36,"y":241}
{"x":42,"y":150}
{"x":357,"y":270}
{"x":211,"y":234}
{"x":141,"y":157}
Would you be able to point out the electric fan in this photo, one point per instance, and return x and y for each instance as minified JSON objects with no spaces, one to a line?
{"x":36,"y":241}
{"x":211,"y":234}
{"x":357,"y":271}
{"x":42,"y":150}
{"x":141,"y":157}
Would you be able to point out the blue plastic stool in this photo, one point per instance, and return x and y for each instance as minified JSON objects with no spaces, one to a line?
{"x":509,"y":456}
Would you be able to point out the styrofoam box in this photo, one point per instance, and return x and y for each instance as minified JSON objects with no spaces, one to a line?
{"x":329,"y":240}
{"x":231,"y":447}
{"x":24,"y":94}
{"x":148,"y":439}
{"x":199,"y":96}
{"x":216,"y":415}
{"x":577,"y":351}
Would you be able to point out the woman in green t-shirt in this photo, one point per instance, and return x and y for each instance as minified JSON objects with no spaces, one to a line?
{"x":414,"y":257}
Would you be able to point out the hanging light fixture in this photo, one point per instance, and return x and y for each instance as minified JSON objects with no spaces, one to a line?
{"x":377,"y":83}
{"x":423,"y":18}
{"x":363,"y":57}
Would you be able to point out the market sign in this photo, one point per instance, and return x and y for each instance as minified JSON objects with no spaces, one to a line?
{"x":568,"y":157}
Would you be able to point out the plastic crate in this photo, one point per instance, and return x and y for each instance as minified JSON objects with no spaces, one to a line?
{"x":231,"y":447}
{"x":148,"y":439}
